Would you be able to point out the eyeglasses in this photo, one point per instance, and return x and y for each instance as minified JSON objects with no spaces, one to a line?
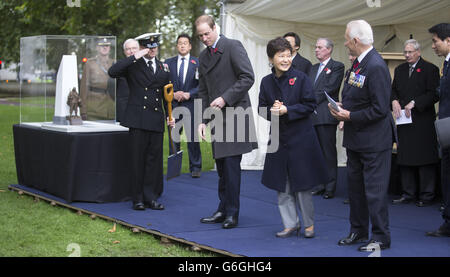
{"x":409,"y":52}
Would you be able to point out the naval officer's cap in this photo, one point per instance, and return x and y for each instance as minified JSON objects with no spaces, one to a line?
{"x":149,"y":40}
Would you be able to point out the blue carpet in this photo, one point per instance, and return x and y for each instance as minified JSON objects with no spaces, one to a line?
{"x":187,"y":200}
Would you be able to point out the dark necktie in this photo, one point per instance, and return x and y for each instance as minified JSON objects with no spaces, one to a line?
{"x":445,"y":69}
{"x":181,"y":74}
{"x":212,"y":50}
{"x":149,"y":63}
{"x":411,"y":70}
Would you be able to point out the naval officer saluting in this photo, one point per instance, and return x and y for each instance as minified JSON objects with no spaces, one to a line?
{"x":145,"y":118}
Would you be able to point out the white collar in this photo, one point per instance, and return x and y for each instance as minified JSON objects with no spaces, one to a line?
{"x":153,"y":60}
{"x":448,"y":57}
{"x":324,"y":63}
{"x":414,"y":65}
{"x":188,"y":55}
{"x":215,"y":43}
{"x":363,"y":54}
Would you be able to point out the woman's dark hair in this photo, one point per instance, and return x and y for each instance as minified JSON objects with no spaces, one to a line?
{"x":276,"y":45}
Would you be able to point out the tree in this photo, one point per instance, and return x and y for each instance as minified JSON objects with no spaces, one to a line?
{"x":120,"y":18}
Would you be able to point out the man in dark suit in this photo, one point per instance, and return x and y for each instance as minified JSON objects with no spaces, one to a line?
{"x":369,"y":133}
{"x":184,"y":77}
{"x":298,"y":62}
{"x":441,"y":46}
{"x":130,"y":46}
{"x":226,"y":75}
{"x":414,"y":91}
{"x":145,"y":118}
{"x":326,"y":76}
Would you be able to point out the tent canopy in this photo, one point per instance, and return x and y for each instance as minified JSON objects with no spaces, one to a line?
{"x":255,"y":22}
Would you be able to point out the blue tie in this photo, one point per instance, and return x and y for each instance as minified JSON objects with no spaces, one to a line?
{"x":181,"y":74}
{"x":445,"y":68}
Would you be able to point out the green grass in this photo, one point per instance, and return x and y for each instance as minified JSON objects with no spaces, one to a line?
{"x":33,"y":228}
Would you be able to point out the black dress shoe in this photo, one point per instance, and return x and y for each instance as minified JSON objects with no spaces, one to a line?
{"x":423,"y":203}
{"x":230,"y":222}
{"x":138,"y":206}
{"x":318,"y":192}
{"x":196,"y":174}
{"x":401,"y":200}
{"x":328,"y":195}
{"x":441,"y":232}
{"x":352,"y":239}
{"x":154,"y":205}
{"x":217,"y":217}
{"x":374,"y":245}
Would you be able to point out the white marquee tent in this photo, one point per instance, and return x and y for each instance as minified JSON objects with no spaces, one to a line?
{"x":255,"y":22}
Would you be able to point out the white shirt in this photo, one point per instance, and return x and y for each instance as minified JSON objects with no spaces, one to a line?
{"x":448,"y":57}
{"x":186,"y":64}
{"x":153,"y":63}
{"x":363,"y":54}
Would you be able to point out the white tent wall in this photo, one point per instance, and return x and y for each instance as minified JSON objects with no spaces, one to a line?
{"x":255,"y":22}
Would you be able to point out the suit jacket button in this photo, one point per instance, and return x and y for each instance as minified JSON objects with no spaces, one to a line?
{"x":145,"y":107}
{"x":146,"y":89}
{"x":157,"y":99}
{"x":145,"y":97}
{"x":157,"y":90}
{"x":156,"y":109}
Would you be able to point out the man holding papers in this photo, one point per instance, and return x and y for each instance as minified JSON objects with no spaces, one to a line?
{"x":414,"y":94}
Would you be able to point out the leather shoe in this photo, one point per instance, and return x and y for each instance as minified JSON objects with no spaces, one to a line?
{"x":352,"y":239}
{"x":154,"y":205}
{"x":230,"y":222}
{"x":217,"y":217}
{"x":288,"y":232}
{"x":423,"y":203}
{"x":138,"y":206}
{"x":328,"y":195}
{"x":374,"y":245}
{"x":441,"y":232}
{"x":196,"y":174}
{"x":318,"y":192}
{"x":401,"y":200}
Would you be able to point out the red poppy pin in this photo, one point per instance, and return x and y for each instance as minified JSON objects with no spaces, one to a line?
{"x":327,"y":70}
{"x":418,"y":70}
{"x":292,"y":81}
{"x":193,"y":61}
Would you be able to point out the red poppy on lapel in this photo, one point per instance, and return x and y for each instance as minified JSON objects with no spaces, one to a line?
{"x":193,"y":61}
{"x":418,"y":70}
{"x":327,"y":70}
{"x":292,"y":81}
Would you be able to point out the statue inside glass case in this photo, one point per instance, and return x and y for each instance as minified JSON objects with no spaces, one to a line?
{"x":74,"y":102}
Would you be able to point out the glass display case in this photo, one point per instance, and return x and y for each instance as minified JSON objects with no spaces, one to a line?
{"x":40,"y":60}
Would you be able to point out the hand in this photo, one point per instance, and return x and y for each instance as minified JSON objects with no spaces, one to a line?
{"x":408,"y":109}
{"x":341,"y":125}
{"x":186,"y":96}
{"x":202,"y":131}
{"x":171,"y":123}
{"x":139,"y":54}
{"x":178,"y":96}
{"x":342,"y":115}
{"x":396,"y":108}
{"x":218,"y":103}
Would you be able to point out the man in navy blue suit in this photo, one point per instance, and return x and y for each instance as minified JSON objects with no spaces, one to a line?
{"x":298,"y":62}
{"x":184,"y":77}
{"x":441,"y":45}
{"x":369,"y":133}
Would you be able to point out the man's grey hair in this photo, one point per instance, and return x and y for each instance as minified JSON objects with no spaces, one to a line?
{"x":414,"y":44}
{"x":328,"y":43}
{"x":127,"y":41}
{"x":362,"y":30}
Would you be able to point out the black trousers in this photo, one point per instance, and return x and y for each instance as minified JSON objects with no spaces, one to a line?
{"x":327,"y":140}
{"x":368,"y":182}
{"x":147,"y":164}
{"x":195,"y":155}
{"x":229,"y":171}
{"x":445,"y":180}
{"x":421,"y":178}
